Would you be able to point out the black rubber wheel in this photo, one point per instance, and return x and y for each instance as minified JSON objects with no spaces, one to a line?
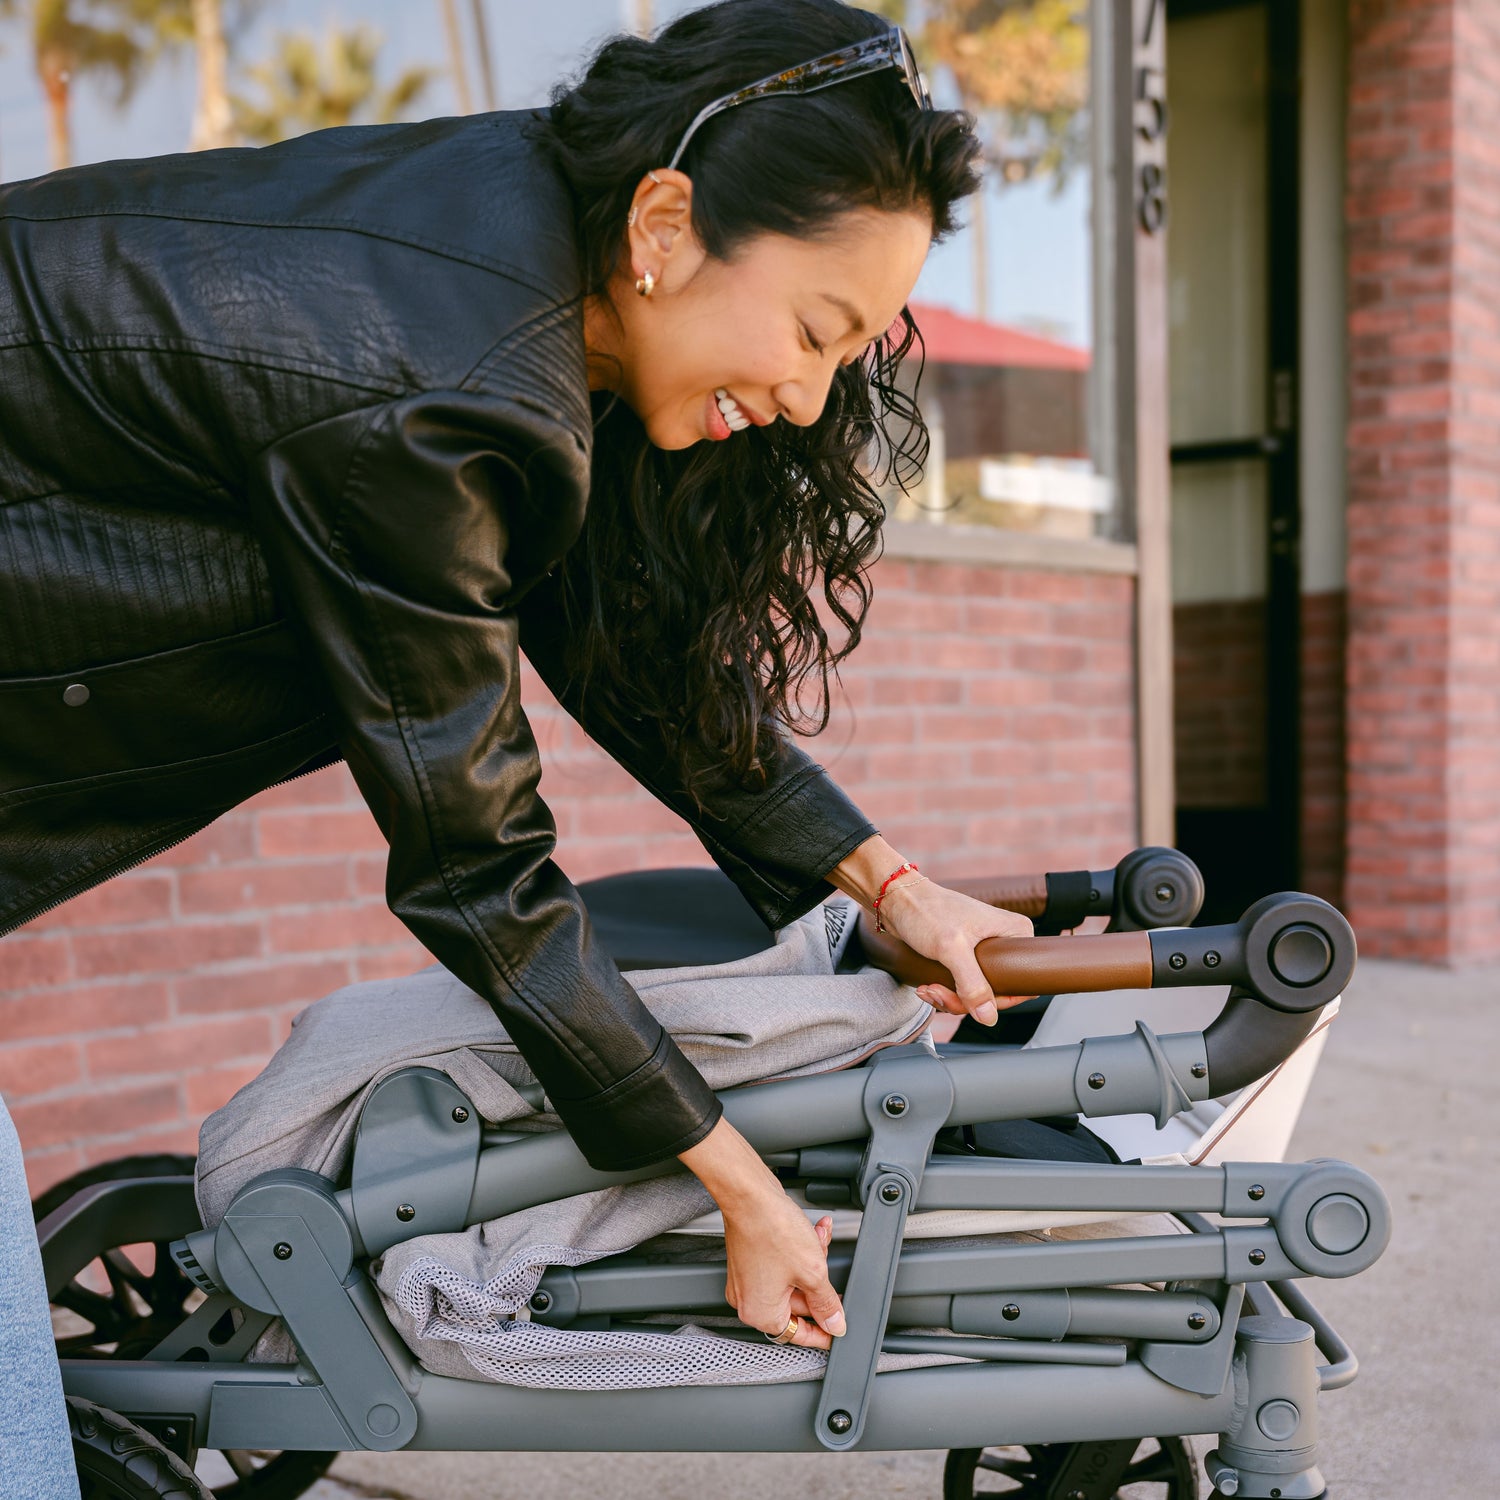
{"x":139,"y":1310}
{"x":1160,"y":1469}
{"x":118,"y":1461}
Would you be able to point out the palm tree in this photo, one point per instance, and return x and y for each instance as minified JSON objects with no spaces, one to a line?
{"x":457,"y":69}
{"x":213,"y":114}
{"x":482,"y":47}
{"x":304,"y":87}
{"x":114,"y":39}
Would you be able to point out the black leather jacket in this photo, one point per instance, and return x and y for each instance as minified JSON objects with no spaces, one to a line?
{"x":289,"y":441}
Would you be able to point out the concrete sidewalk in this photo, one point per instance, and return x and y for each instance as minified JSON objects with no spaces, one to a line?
{"x":1406,"y":1091}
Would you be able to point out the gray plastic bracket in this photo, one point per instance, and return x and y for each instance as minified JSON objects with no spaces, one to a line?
{"x":1270,"y":1447}
{"x":1109,"y":1076}
{"x":1199,"y":1368}
{"x":907,"y":1098}
{"x":285,"y":1247}
{"x":415,"y":1155}
{"x":200,"y":1334}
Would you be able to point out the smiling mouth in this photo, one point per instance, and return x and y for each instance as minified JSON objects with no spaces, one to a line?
{"x":736,"y":419}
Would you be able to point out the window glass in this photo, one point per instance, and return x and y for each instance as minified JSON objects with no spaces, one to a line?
{"x":1005,"y":305}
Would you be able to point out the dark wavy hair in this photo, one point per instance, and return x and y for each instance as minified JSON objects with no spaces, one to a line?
{"x":693,"y":594}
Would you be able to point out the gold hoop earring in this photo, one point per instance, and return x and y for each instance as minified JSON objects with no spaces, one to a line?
{"x":646,"y":285}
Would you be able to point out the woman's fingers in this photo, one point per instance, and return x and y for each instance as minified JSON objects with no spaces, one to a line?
{"x":941,"y":998}
{"x":824,"y":1307}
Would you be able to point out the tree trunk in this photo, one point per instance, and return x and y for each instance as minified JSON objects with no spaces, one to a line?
{"x":456,"y":57}
{"x":52,"y":68}
{"x":213,"y":120}
{"x":486,"y":66}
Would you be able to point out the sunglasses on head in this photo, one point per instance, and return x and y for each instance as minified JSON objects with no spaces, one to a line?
{"x":892,"y":50}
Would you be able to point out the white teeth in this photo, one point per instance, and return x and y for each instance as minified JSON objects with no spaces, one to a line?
{"x":734,"y":418}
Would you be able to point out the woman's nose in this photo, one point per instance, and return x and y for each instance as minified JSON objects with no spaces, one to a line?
{"x":801,"y":402}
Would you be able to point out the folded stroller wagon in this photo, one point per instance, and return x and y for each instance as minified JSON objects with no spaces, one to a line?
{"x":1058,"y":1363}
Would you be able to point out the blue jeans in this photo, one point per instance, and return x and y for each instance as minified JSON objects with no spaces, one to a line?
{"x":36,"y":1453}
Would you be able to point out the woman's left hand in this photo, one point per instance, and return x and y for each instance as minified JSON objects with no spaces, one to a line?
{"x":946,"y":926}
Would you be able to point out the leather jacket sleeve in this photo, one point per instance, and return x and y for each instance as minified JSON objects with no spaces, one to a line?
{"x":776,"y":842}
{"x":401,"y":538}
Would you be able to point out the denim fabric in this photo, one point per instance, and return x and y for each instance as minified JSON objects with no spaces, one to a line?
{"x":36,"y":1454}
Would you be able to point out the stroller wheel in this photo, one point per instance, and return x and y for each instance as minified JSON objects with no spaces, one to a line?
{"x":1162,"y":1468}
{"x":122,"y":1304}
{"x":116,"y":1460}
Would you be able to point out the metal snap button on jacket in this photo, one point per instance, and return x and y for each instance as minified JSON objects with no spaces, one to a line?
{"x":75,"y":695}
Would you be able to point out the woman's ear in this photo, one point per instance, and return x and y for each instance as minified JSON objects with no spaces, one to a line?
{"x":660,"y":230}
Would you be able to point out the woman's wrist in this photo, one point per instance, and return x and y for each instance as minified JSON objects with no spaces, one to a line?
{"x":730,"y":1168}
{"x":862,"y":873}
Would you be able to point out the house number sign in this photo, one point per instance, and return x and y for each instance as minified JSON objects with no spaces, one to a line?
{"x":1149,"y":66}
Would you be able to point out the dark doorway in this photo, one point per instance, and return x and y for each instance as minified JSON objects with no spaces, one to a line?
{"x":1232,"y":151}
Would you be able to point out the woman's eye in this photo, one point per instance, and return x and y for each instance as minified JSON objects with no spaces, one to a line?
{"x":812,"y":341}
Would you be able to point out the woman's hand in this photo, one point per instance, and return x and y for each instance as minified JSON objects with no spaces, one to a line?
{"x":778,"y":1262}
{"x":947,"y":926}
{"x":940,"y":924}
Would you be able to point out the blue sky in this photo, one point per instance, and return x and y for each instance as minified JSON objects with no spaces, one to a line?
{"x":1038,"y":260}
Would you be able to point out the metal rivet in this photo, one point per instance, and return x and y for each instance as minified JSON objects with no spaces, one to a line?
{"x":405,"y":1212}
{"x":1275,"y":1494}
{"x":1096,"y":1080}
{"x":75,"y":695}
{"x":541,"y":1301}
{"x":891,"y":1193}
{"x":1077,"y":1495}
{"x":460,"y":1114}
{"x":1165,"y":892}
{"x":839,"y":1421}
{"x":1093,"y":895}
{"x":1210,"y":960}
{"x":1010,"y":1312}
{"x":282,"y":1250}
{"x":1255,"y":1192}
{"x":1199,"y":1070}
{"x":1197,"y":1321}
{"x":894,"y":1104}
{"x":1178,"y":961}
{"x":1257,"y":1257}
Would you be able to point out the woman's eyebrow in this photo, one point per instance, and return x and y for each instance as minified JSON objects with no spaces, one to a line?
{"x":856,"y":323}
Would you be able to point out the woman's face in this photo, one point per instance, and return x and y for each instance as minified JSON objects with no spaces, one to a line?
{"x":721,"y":345}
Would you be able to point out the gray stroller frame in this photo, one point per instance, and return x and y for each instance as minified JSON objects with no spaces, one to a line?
{"x":1217,"y":1339}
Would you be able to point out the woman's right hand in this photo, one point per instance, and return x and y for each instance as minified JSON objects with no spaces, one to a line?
{"x":778,"y":1262}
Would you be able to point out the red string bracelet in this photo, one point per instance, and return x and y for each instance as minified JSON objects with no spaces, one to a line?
{"x":885,"y":885}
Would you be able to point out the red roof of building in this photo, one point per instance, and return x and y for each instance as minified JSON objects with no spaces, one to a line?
{"x":953,"y":339}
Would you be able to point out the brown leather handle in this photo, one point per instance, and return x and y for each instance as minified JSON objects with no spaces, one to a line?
{"x":1026,"y":894}
{"x":1026,"y":966}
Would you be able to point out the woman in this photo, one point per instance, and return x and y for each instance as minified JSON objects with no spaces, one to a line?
{"x":299,"y":447}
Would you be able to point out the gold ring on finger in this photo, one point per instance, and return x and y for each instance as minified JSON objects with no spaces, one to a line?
{"x":786,"y":1335}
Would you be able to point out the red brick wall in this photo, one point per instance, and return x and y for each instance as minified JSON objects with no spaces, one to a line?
{"x":1219,"y":648}
{"x":1423,"y":216}
{"x":986,"y":724}
{"x":1323,"y":745}
{"x":1219,"y":702}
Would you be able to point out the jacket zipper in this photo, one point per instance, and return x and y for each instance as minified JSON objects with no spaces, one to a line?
{"x":142,"y":856}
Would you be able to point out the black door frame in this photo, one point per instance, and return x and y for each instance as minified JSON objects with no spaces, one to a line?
{"x":1278,"y":446}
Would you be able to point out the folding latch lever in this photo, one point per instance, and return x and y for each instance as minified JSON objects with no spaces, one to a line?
{"x":907,"y":1100}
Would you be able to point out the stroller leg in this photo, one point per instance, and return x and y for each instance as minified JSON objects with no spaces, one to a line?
{"x":1271,"y":1451}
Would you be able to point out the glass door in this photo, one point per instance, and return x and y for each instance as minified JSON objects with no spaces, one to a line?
{"x":1232,"y":315}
